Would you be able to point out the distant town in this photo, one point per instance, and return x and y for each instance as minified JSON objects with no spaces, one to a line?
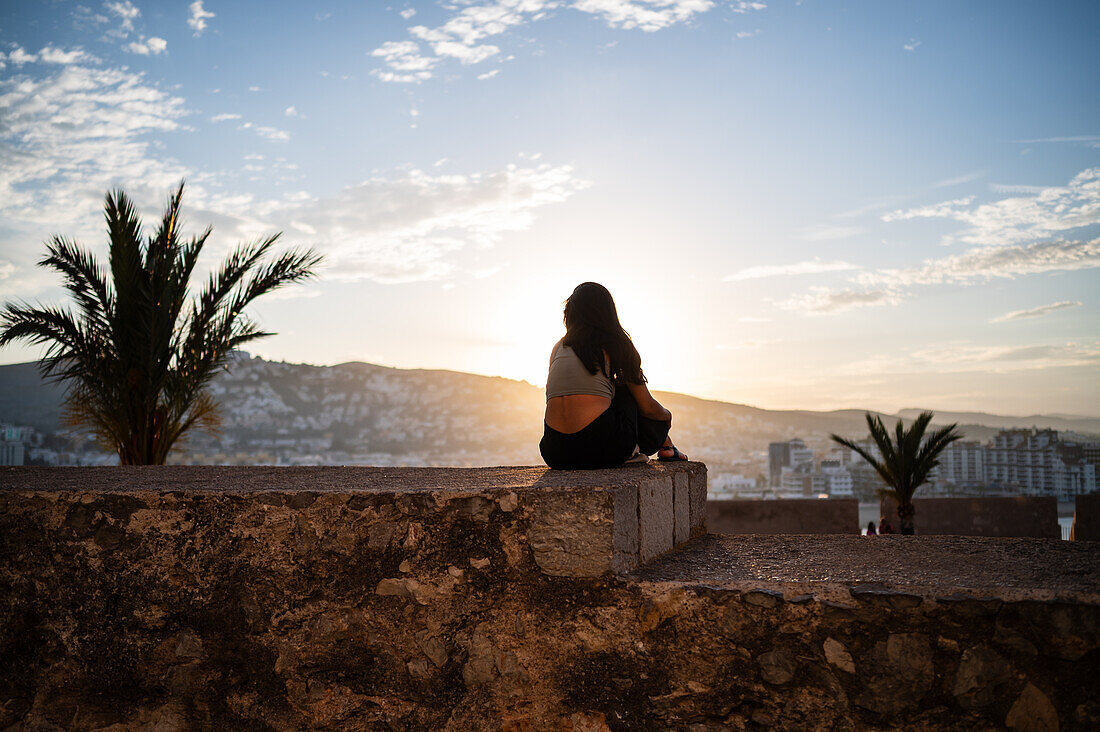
{"x":1019,"y":462}
{"x":278,"y":413}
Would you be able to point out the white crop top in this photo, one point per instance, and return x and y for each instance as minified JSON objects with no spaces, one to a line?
{"x":569,"y":376}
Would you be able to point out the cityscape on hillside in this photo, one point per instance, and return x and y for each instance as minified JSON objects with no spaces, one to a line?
{"x":278,"y":413}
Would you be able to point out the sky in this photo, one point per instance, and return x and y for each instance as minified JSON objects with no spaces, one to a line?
{"x":812,"y":205}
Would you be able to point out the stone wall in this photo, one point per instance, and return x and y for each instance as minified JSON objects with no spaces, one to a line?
{"x":175,"y":599}
{"x":1086,"y":518}
{"x":1034,"y":516}
{"x":787,"y":516}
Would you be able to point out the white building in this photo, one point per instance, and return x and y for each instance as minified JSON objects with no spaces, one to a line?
{"x":837,"y":480}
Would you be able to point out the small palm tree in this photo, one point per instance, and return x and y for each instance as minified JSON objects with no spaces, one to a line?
{"x":138,"y":354}
{"x":907,"y":458}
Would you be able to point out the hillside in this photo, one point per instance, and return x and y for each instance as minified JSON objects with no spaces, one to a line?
{"x":362,"y":413}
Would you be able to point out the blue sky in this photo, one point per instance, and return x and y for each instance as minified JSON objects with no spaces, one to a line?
{"x":796,"y":204}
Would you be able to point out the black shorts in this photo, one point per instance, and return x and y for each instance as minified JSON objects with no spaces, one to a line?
{"x":607,"y":441}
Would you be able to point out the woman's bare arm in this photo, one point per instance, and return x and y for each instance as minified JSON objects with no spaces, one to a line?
{"x":647,"y":405}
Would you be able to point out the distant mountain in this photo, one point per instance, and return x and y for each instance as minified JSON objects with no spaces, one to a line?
{"x":362,"y":413}
{"x":1062,"y":422}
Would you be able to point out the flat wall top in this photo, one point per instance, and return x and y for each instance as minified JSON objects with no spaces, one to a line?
{"x":252,"y":479}
{"x":1006,"y":568}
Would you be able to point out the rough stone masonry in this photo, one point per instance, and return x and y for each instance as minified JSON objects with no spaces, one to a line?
{"x":512,"y":599}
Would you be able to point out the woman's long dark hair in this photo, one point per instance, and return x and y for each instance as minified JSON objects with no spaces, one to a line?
{"x":592,"y":329}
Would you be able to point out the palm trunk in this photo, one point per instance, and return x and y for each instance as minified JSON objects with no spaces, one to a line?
{"x":906,"y":512}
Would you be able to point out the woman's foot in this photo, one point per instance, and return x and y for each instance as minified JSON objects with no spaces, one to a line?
{"x":669,"y":454}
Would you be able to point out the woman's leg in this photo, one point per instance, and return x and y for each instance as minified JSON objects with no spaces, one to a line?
{"x":651,"y":434}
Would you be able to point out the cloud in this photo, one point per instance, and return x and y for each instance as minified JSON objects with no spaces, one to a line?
{"x":1037,"y":312}
{"x":965,"y":357}
{"x":126,"y":11}
{"x":911,"y":45}
{"x":815,"y":266}
{"x":224,"y":117}
{"x":52,"y":55}
{"x":406,"y":228}
{"x":488,"y":75}
{"x":748,"y":34}
{"x":461,"y":37}
{"x":959,"y":180}
{"x":972,"y":358}
{"x":407,"y":13}
{"x":890,"y":286}
{"x":269,"y":133}
{"x":73,"y":134}
{"x":1047,"y":212}
{"x":292,"y":112}
{"x":81,"y":130}
{"x":829,"y":233}
{"x":987,"y":263}
{"x":823,"y":300}
{"x":152,"y":46}
{"x":197,"y":17}
{"x":19,"y":57}
{"x":1010,"y":238}
{"x":1010,"y":188}
{"x":646,"y":15}
{"x":406,"y":62}
{"x":1087,"y":140}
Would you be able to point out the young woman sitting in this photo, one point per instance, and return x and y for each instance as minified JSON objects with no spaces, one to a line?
{"x":599,"y":412}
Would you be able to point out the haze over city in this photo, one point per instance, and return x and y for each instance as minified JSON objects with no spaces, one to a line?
{"x":795,"y":204}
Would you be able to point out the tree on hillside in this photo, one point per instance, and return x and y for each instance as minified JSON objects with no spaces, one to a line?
{"x":138,"y":353}
{"x":907,"y":458}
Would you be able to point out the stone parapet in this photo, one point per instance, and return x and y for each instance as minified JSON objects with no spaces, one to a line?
{"x":1086,"y":518}
{"x":784,"y":516}
{"x":1024,"y":516}
{"x":575,"y":523}
{"x":466,"y":600}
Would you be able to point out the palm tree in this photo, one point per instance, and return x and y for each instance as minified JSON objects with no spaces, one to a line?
{"x":138,"y":353}
{"x":907,"y":458}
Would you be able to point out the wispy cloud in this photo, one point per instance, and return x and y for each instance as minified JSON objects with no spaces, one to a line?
{"x":891,"y":286}
{"x":987,"y":263}
{"x":972,"y":358}
{"x":197,"y":17}
{"x":1087,"y":140}
{"x":1037,"y":312}
{"x":912,"y":45}
{"x":1047,"y":212}
{"x":959,"y":180}
{"x":826,"y":232}
{"x":1011,"y":188}
{"x":269,"y":133}
{"x":52,"y":170}
{"x":1009,"y":238}
{"x":823,"y":300}
{"x":224,"y":117}
{"x":463,"y":36}
{"x":408,"y":227}
{"x":398,"y":227}
{"x":815,"y":266}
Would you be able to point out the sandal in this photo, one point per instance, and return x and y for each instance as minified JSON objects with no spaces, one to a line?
{"x":676,"y":455}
